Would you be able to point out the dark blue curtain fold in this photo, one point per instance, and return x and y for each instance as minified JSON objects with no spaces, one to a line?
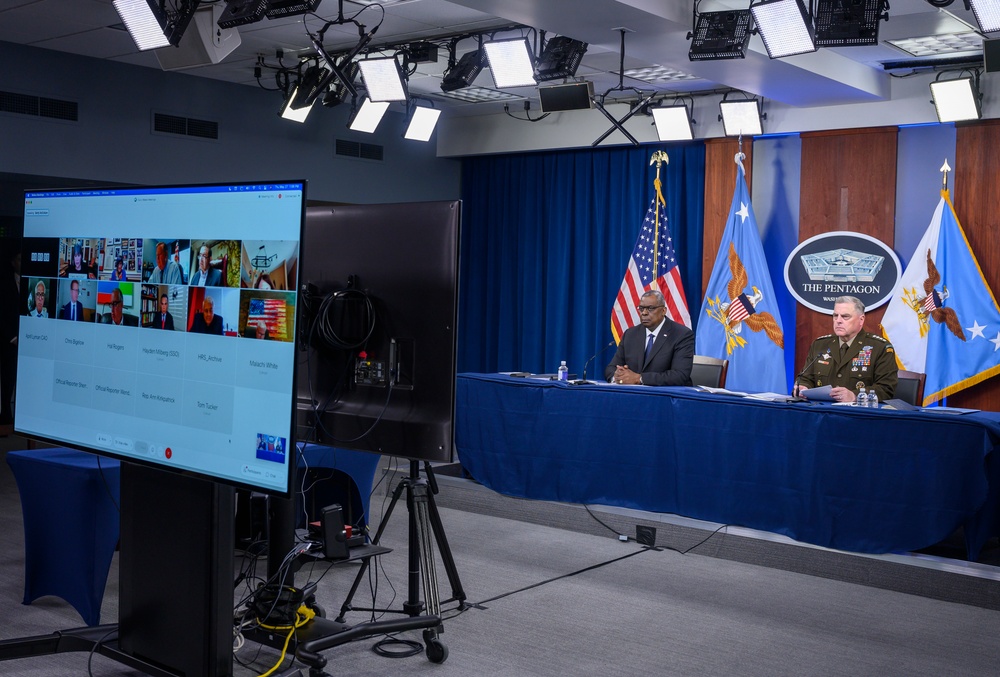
{"x":545,"y":241}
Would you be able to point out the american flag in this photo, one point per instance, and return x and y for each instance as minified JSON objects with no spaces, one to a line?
{"x":273,"y":312}
{"x":639,"y":275}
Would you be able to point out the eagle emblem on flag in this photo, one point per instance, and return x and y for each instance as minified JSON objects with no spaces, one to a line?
{"x":742,"y":309}
{"x":930,"y":306}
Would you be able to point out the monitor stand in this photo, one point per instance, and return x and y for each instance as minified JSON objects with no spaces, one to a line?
{"x":176,"y":581}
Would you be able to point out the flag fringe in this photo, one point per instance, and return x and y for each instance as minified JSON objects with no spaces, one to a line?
{"x":961,"y":385}
{"x":961,"y":231}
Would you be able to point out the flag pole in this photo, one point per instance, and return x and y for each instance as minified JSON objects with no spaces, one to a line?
{"x":944,"y":175}
{"x":660,"y":158}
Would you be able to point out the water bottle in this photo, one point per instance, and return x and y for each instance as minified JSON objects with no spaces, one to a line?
{"x":563,"y":371}
{"x":872,"y":400}
{"x":862,"y":400}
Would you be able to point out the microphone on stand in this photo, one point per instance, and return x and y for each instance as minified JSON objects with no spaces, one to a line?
{"x":592,"y":358}
{"x":795,"y":386}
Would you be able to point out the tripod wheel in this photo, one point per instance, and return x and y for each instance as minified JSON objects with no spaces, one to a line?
{"x":436,"y":651}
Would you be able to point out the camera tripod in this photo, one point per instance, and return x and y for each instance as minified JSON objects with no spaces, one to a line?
{"x":424,"y":521}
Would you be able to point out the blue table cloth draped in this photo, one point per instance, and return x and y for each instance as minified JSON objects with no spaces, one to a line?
{"x":853,"y":479}
{"x":69,"y":500}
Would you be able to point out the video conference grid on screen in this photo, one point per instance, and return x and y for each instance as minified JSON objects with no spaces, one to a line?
{"x":159,"y":324}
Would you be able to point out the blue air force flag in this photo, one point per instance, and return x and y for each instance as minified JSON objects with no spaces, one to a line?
{"x":743,"y":324}
{"x":943,"y":319}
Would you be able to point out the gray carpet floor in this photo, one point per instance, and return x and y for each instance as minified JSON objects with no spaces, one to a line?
{"x":642,"y":612}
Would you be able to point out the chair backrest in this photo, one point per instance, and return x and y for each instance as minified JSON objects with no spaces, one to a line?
{"x":709,"y":371}
{"x":910,"y":387}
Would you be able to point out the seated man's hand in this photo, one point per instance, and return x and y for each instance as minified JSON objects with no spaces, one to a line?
{"x":626,"y":376}
{"x":840,"y":394}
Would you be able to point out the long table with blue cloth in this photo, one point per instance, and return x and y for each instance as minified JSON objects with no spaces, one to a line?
{"x":861,"y":480}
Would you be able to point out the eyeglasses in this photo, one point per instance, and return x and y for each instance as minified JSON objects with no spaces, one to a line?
{"x":116,"y":303}
{"x":646,"y":309}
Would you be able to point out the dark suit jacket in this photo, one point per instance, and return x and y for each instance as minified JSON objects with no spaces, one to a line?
{"x":198,"y":326}
{"x":159,"y":324}
{"x":64,"y":312}
{"x":669,"y":362}
{"x":214,"y":277}
{"x":127,"y":320}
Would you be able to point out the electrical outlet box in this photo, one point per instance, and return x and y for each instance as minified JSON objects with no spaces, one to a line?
{"x":645,"y":535}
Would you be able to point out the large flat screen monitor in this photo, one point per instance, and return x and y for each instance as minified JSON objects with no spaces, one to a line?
{"x":158,"y":325}
{"x":380,"y":305}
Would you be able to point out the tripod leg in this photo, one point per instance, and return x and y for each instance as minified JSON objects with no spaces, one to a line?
{"x":446,"y":557}
{"x":396,"y":493}
{"x":437,"y":652}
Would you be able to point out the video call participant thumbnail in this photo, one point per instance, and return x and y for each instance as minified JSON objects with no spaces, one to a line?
{"x":207,"y":322}
{"x":77,"y":267}
{"x":165,"y":271}
{"x":163,"y":319}
{"x":38,"y":304}
{"x":73,"y":309}
{"x":206,"y":275}
{"x":118,"y":316}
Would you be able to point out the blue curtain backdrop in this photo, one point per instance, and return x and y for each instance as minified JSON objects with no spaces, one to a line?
{"x":545,"y":241}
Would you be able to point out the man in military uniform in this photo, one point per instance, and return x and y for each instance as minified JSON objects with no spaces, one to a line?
{"x":849,"y":358}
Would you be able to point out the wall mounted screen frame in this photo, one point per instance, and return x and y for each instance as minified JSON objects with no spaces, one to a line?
{"x":158,"y":326}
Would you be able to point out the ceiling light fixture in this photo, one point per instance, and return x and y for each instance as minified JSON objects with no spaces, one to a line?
{"x":422,"y":122}
{"x":242,"y":12}
{"x":463,"y":73}
{"x":957,"y":99}
{"x":383,"y":79}
{"x":785,"y":26}
{"x":673,"y":122}
{"x":742,"y":117}
{"x":987,"y":14}
{"x":292,"y":109}
{"x":511,"y":63}
{"x":719,"y":35}
{"x":367,"y":118}
{"x":149,"y":27}
{"x":560,"y":58}
{"x":849,"y":24}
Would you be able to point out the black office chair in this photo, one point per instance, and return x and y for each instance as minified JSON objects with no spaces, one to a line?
{"x":910,"y":387}
{"x":709,"y":371}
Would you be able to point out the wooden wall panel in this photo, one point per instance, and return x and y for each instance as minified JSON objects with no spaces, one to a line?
{"x":974,"y":194}
{"x":720,"y":182}
{"x":848,"y":183}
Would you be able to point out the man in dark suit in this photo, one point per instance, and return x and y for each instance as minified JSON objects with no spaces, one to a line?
{"x":207,"y":322}
{"x":163,"y":319}
{"x":74,"y":309}
{"x":658,"y":352}
{"x":206,"y":275}
{"x":117,"y":315}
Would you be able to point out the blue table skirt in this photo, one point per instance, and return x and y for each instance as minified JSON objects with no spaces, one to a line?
{"x":69,"y":500}
{"x":853,"y":479}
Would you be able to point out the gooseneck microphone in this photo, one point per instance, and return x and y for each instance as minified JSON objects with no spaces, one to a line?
{"x":592,"y":358}
{"x":795,"y":386}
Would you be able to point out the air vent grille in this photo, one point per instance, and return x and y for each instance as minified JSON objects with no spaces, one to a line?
{"x":175,"y":124}
{"x":26,"y":104}
{"x":365,"y":151}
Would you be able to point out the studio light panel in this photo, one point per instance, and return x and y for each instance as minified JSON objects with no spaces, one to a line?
{"x":510,"y":63}
{"x":672,"y":123}
{"x":955,"y":100}
{"x":383,"y":79}
{"x":142,"y":23}
{"x":987,"y":14}
{"x":785,"y":27}
{"x":369,"y":116}
{"x":741,"y":117}
{"x":422,"y":123}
